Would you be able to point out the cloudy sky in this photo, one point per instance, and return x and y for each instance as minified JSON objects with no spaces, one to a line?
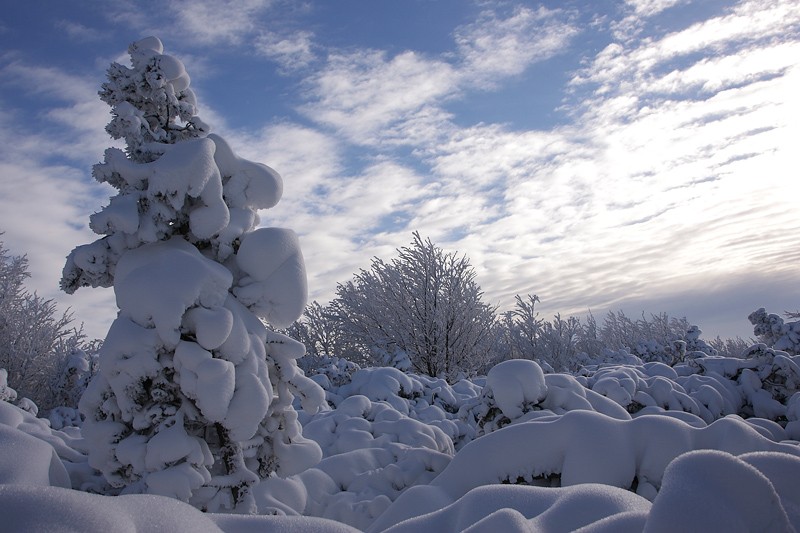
{"x":639,"y":155}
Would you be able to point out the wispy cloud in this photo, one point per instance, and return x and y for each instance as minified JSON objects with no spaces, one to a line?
{"x":80,"y":32}
{"x":370,"y":96}
{"x":204,"y":22}
{"x":495,"y":47}
{"x":217,"y":21}
{"x":361,"y":93}
{"x":292,"y":52}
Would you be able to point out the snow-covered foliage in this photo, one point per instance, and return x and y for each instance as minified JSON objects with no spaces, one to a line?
{"x":566,"y":344}
{"x":194,"y":395}
{"x":515,"y":451}
{"x":773,"y":331}
{"x":324,"y":337}
{"x":424,"y":308}
{"x":7,"y":394}
{"x":36,"y":344}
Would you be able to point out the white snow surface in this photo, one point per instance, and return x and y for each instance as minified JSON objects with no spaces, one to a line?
{"x":402,"y":452}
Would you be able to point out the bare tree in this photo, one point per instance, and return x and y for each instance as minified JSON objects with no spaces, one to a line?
{"x":425,"y":305}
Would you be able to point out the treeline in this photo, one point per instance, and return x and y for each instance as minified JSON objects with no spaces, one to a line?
{"x":424,"y":311}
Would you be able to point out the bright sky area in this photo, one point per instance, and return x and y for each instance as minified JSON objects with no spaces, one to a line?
{"x":638,"y":155}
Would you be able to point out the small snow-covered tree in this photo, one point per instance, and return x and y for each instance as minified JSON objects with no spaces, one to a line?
{"x":194,"y":395}
{"x":424,"y":305}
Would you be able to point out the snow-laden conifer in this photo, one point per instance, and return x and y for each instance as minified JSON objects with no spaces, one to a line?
{"x":194,"y":394}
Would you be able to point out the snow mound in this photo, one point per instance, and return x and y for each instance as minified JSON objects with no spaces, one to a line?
{"x":716,"y":491}
{"x":577,"y":448}
{"x":515,"y":384}
{"x":30,"y":508}
{"x":514,"y":508}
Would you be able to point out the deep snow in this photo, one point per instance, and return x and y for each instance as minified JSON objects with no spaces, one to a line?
{"x":403,"y":452}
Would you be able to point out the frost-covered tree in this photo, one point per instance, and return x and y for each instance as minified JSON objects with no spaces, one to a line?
{"x":424,"y":305}
{"x":34,"y":339}
{"x":194,"y":395}
{"x":324,"y":338}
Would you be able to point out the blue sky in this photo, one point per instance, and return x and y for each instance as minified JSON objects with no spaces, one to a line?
{"x":637,"y":155}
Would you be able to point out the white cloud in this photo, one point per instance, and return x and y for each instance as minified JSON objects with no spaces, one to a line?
{"x":493,"y":48}
{"x":205,"y":22}
{"x":649,"y":8}
{"x":638,"y":13}
{"x":292,"y":52}
{"x":45,"y":211}
{"x":360,"y":93}
{"x":217,"y":21}
{"x":749,"y":27}
{"x":373,"y":98}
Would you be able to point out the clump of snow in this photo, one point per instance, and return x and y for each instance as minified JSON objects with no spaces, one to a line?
{"x":31,"y":508}
{"x":512,"y":508}
{"x":716,"y":491}
{"x":515,"y":384}
{"x":274,"y":282}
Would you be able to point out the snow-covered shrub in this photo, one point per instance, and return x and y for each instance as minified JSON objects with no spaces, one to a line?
{"x":34,"y":340}
{"x":566,"y":344}
{"x":331,"y":372}
{"x":194,"y":395}
{"x":359,"y":423}
{"x":7,"y":394}
{"x":695,"y":344}
{"x":430,"y":400}
{"x":78,"y":366}
{"x":734,"y":347}
{"x":773,"y":331}
{"x":701,"y":491}
{"x":518,"y":391}
{"x":580,"y":447}
{"x":708,"y":387}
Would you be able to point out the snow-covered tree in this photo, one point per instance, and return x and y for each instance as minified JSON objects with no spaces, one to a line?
{"x":194,"y":395}
{"x":324,"y":338}
{"x":34,"y":339}
{"x":424,"y":305}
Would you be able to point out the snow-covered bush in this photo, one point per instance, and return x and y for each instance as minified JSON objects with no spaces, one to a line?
{"x":194,"y":395}
{"x":330,"y":372}
{"x":7,"y":394}
{"x":76,"y":371}
{"x":578,"y":448}
{"x":776,"y":333}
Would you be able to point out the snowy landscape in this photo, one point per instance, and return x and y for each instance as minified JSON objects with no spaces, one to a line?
{"x":215,"y":404}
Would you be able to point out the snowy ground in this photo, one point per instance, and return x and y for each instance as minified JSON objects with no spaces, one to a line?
{"x":710,"y":444}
